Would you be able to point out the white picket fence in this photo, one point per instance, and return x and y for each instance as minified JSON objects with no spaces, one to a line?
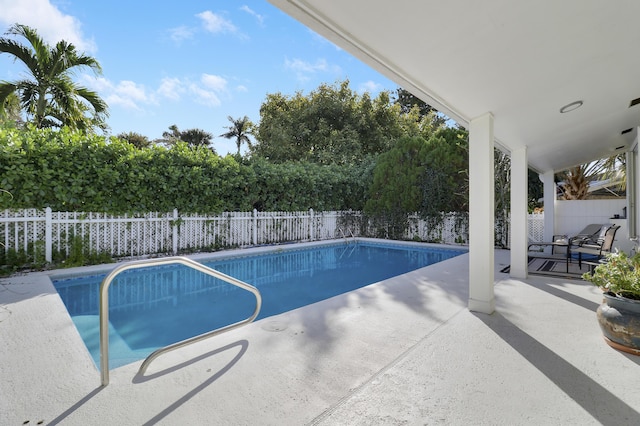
{"x":33,"y":230}
{"x":41,"y":233}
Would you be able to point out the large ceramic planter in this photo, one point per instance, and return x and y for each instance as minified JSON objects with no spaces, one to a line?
{"x":619,"y":320}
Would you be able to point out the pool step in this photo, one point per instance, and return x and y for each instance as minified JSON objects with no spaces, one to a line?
{"x":119,"y":351}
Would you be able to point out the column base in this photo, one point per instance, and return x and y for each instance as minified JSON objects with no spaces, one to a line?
{"x":482,"y":306}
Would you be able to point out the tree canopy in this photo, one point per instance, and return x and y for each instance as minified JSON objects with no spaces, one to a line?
{"x":422,"y":175}
{"x":331,"y":125}
{"x":409,"y":101}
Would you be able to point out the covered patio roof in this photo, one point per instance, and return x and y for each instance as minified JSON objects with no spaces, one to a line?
{"x":520,"y":61}
{"x":553,"y":83}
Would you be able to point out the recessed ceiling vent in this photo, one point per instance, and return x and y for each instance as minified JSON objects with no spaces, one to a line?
{"x":634,"y":102}
{"x":626,"y":131}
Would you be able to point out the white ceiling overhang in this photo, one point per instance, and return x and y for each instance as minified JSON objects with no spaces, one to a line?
{"x":521,"y":61}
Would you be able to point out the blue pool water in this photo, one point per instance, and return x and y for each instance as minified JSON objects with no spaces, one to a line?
{"x":155,"y":306}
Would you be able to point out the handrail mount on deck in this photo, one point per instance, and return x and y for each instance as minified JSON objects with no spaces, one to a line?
{"x":104,"y":309}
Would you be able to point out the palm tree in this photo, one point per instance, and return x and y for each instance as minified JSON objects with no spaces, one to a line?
{"x":172,"y":136}
{"x":193,"y":137}
{"x":196,"y":137}
{"x":576,"y":180}
{"x":240,"y":129}
{"x":135,"y":139}
{"x":51,"y":98}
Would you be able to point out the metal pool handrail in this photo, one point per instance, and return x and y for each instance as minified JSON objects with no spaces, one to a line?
{"x":104,"y":309}
{"x":344,"y":235}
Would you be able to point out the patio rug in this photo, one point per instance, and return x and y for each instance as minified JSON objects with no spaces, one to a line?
{"x":553,"y":267}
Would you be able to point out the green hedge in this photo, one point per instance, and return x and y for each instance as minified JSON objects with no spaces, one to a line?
{"x":71,"y":171}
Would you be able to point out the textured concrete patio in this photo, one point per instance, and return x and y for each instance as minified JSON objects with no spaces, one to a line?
{"x":402,"y":351}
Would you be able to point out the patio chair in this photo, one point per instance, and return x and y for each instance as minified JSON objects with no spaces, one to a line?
{"x":589,"y":235}
{"x":598,"y":250}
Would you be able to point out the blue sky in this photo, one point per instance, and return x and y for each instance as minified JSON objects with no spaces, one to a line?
{"x":189,"y":63}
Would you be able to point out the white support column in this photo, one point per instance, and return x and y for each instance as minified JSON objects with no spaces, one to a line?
{"x":632,"y":188}
{"x":481,"y":214}
{"x":549,"y":205}
{"x":519,"y":220}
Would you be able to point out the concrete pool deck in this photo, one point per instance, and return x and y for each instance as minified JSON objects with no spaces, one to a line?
{"x":403,"y":351}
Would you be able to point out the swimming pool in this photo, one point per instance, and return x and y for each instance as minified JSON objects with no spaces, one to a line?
{"x":155,"y":306}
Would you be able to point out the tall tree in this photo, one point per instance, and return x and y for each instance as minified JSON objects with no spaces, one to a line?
{"x":240,"y":129}
{"x":50,"y":98}
{"x":408,"y":101}
{"x":445,"y":183}
{"x":535,"y":190}
{"x":331,"y":125}
{"x":418,"y":175}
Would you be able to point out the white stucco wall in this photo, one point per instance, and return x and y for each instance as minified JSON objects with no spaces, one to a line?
{"x":572,"y":216}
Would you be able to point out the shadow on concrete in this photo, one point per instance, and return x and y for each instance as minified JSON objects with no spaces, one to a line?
{"x":599,"y":402}
{"x":565,"y":295}
{"x":75,"y":406}
{"x":243,"y":344}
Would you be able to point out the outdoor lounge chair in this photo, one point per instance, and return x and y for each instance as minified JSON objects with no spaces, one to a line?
{"x":562,"y":246}
{"x":595,"y":252}
{"x":589,"y":235}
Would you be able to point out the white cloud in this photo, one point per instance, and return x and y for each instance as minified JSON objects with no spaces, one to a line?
{"x":134,"y":91}
{"x":99,"y":84}
{"x":253,"y":13}
{"x":50,"y":23}
{"x":171,"y":88}
{"x":299,"y":65}
{"x":216,"y":23}
{"x":214,"y":82}
{"x":370,"y":86}
{"x":122,"y":101}
{"x":304,"y":69}
{"x":209,"y":90}
{"x":126,"y":93}
{"x":130,"y":95}
{"x":242,"y":88}
{"x":133,"y":96}
{"x":178,"y":34}
{"x":205,"y":97}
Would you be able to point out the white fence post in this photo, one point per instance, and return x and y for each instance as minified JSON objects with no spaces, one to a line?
{"x":311,"y":227}
{"x":48,"y":235}
{"x":175,"y":235}
{"x":255,"y":227}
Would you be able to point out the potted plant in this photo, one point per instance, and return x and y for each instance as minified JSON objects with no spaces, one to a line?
{"x":619,"y":313}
